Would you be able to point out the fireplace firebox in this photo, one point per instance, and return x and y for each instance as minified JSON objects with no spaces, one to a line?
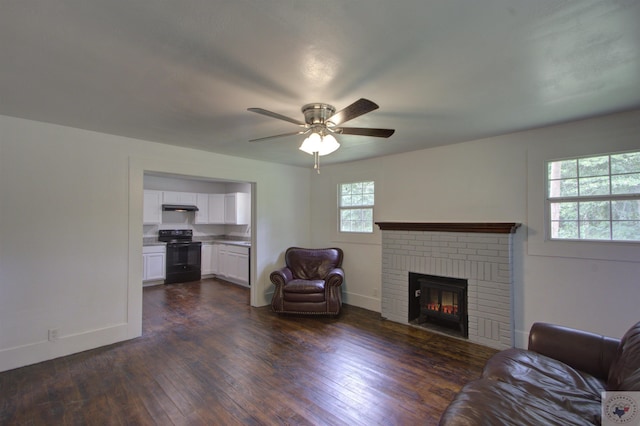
{"x":438,"y":300}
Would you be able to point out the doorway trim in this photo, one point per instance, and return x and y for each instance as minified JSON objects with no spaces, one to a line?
{"x":137,"y":168}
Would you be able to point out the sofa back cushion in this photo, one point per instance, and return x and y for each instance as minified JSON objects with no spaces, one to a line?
{"x":624,"y":374}
{"x":312,"y":264}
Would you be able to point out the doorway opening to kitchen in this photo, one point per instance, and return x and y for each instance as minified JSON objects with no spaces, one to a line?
{"x":212,"y":216}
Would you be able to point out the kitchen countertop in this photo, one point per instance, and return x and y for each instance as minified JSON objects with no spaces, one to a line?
{"x":241,"y":243}
{"x":152,"y":241}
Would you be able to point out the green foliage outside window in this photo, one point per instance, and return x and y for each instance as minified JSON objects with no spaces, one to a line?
{"x":356,"y":202}
{"x":595,"y":198}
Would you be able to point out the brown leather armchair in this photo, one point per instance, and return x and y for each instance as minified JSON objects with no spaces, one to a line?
{"x":310,"y":283}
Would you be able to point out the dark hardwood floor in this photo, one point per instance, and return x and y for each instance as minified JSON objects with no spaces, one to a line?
{"x":207,"y":358}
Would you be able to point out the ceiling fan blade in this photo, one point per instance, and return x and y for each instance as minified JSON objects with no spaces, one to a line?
{"x":276,"y":115}
{"x":361,"y":131}
{"x":277,"y":136}
{"x":356,"y":109}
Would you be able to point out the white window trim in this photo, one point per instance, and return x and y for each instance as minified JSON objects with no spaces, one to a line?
{"x":358,"y":207}
{"x":356,"y":175}
{"x":538,"y":244}
{"x":584,"y":198}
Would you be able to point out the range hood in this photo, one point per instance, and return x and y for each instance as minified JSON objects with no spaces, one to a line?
{"x":179,"y":208}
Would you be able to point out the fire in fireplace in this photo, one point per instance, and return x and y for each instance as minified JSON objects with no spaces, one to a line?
{"x":438,"y":300}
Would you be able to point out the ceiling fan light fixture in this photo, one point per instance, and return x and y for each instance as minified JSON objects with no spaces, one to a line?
{"x":329,"y":145}
{"x":323,"y":145}
{"x":320,"y":121}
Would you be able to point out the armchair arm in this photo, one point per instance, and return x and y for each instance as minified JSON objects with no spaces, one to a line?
{"x":335,"y":277}
{"x":582,"y":350}
{"x":281,"y":276}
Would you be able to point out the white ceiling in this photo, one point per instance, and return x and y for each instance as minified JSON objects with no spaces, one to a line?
{"x":443,"y":71}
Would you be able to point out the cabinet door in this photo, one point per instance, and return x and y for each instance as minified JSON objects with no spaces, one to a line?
{"x":223,"y":262}
{"x":173,"y":197}
{"x":170,"y":197}
{"x":237,"y":209}
{"x":230,"y":208}
{"x":238,"y":264}
{"x":207,"y":250}
{"x":154,"y":266}
{"x":152,"y":207}
{"x":215,"y":256}
{"x":202,"y":215}
{"x":216,"y":208}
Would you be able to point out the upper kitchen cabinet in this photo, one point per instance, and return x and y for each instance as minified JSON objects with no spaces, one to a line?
{"x":237,"y":209}
{"x":202,"y":215}
{"x":152,"y":207}
{"x":185,"y":198}
{"x":216,"y":208}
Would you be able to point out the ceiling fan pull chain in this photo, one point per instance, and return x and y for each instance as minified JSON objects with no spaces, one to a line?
{"x":316,"y":159}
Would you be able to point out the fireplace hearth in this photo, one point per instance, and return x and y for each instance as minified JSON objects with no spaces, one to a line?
{"x":440,"y":301}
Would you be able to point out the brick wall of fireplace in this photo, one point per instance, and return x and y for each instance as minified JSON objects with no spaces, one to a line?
{"x":484,"y":259}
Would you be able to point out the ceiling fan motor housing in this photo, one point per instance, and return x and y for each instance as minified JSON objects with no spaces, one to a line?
{"x":317,"y":113}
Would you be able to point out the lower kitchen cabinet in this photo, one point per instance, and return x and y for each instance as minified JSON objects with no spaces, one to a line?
{"x":233,"y":263}
{"x":227,"y":261}
{"x":154,"y":263}
{"x":209,"y":259}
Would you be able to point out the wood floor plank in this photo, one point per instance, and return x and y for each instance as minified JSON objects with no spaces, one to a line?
{"x":206,"y":357}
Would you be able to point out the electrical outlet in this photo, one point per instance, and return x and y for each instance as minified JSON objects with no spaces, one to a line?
{"x":53,"y":334}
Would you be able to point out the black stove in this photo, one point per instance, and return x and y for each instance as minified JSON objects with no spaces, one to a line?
{"x":183,"y":255}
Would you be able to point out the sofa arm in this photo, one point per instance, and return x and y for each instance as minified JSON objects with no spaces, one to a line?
{"x":588,"y":352}
{"x":281,"y":276}
{"x":335,"y":277}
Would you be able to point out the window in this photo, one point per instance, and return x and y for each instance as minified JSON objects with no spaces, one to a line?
{"x":356,"y":206}
{"x":595,"y":198}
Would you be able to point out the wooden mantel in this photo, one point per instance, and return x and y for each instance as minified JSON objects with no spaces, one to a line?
{"x":486,"y":228}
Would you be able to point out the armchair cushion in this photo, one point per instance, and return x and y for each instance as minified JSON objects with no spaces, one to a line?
{"x":304,"y":286}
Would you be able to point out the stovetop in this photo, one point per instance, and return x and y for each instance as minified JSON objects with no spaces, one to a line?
{"x":175,"y":235}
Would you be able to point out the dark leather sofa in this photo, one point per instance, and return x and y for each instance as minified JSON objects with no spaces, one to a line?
{"x":309,"y":283}
{"x":557,"y":381}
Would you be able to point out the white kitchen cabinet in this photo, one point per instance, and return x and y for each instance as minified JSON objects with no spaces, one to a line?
{"x":216,"y":208}
{"x":234,"y":263}
{"x":205,"y":255}
{"x":238,"y":264}
{"x":154,"y":263}
{"x":222,"y":260}
{"x":215,"y":259}
{"x":210,"y":258}
{"x":237,"y":208}
{"x":152,"y":207}
{"x":202,"y":215}
{"x":172,"y":197}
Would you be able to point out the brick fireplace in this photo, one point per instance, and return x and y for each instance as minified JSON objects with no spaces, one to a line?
{"x":480,"y":253}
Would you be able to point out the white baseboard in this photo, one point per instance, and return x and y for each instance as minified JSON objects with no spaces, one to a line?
{"x":45,"y":350}
{"x":361,"y":301}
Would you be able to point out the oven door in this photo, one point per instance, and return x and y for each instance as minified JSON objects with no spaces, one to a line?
{"x":183,"y":262}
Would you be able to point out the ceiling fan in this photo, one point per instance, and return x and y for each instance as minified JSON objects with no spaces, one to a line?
{"x":321,"y":122}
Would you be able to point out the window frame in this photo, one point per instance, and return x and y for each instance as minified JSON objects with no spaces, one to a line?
{"x":609,"y":198}
{"x":342,"y":208}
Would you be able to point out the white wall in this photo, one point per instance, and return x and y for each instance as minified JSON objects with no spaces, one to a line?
{"x":71,"y":226}
{"x":71,"y":231}
{"x":499,"y":179}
